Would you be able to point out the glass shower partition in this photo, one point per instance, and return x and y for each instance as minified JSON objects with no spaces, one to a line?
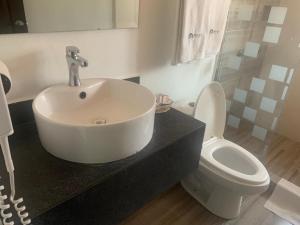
{"x":256,"y":65}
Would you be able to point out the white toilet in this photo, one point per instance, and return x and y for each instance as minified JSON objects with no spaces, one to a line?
{"x":226,"y":172}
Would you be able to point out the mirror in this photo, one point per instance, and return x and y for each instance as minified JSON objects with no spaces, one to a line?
{"x":41,"y":16}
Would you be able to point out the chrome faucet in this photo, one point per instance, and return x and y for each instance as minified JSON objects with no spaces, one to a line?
{"x":74,"y":61}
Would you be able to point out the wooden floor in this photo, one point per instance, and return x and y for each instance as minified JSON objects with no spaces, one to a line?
{"x":281,"y":157}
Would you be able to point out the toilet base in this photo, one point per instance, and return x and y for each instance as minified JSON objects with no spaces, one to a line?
{"x":218,"y":200}
{"x":224,"y":203}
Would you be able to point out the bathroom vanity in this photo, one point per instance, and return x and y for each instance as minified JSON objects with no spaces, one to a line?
{"x":57,"y":192}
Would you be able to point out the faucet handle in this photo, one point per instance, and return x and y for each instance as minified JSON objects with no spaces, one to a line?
{"x":72,"y":50}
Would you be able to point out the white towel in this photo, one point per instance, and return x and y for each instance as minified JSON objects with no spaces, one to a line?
{"x":202,"y":25}
{"x":285,"y":201}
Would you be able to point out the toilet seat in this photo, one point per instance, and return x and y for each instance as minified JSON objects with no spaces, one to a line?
{"x":251,"y":170}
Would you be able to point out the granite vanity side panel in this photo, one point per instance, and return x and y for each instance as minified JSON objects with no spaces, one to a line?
{"x":118,"y":196}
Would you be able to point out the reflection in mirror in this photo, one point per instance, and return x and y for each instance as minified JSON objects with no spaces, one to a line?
{"x":37,"y":16}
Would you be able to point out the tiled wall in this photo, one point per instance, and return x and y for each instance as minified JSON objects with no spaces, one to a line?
{"x":255,"y":83}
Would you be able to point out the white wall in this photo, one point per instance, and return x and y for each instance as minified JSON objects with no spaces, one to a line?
{"x":182,"y":83}
{"x":37,"y":61}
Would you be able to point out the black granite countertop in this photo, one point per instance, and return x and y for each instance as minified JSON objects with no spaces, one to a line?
{"x":49,"y":184}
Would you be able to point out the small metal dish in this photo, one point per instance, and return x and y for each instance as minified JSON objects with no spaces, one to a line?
{"x":163,"y":103}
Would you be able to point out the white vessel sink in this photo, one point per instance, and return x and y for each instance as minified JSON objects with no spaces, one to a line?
{"x":101,"y":121}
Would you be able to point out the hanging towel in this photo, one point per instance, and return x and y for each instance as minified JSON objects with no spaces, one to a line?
{"x":201,"y":28}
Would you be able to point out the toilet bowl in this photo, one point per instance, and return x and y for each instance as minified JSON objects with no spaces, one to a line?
{"x":227,"y":172}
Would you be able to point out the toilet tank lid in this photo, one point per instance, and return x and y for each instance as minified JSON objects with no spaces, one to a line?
{"x":211,"y":109}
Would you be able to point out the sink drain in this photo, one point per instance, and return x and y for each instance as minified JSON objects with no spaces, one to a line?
{"x":82,"y":95}
{"x":100,"y":121}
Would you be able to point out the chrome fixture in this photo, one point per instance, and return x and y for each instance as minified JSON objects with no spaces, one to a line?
{"x":74,"y":61}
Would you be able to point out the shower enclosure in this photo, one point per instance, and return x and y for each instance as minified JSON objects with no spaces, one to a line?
{"x":258,"y":66}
